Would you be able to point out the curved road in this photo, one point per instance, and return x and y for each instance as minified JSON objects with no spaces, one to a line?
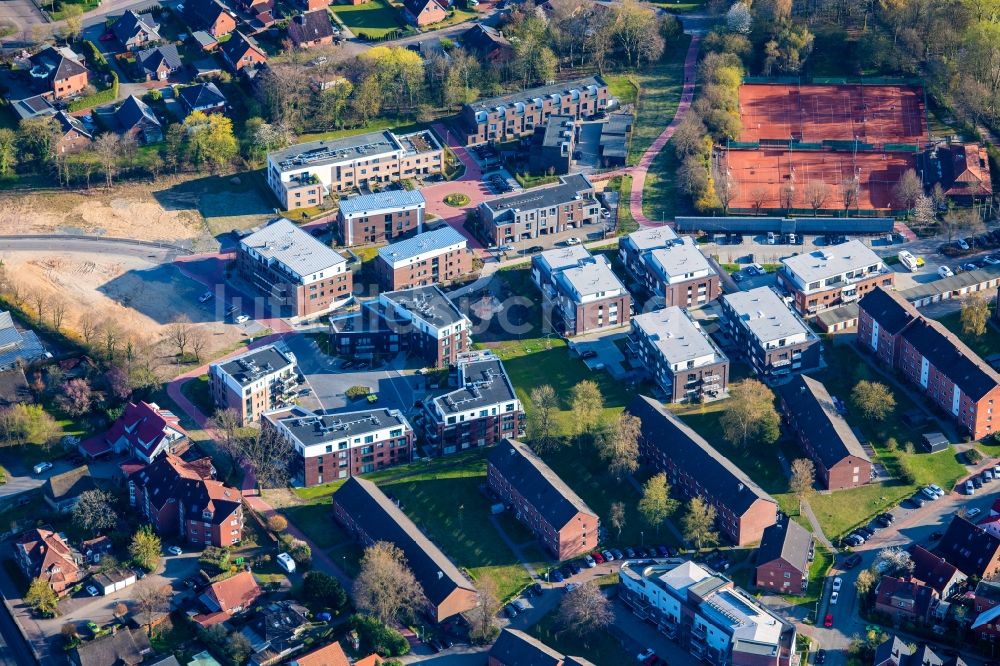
{"x":160,"y":252}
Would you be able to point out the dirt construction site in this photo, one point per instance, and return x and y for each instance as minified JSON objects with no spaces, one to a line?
{"x":140,"y":295}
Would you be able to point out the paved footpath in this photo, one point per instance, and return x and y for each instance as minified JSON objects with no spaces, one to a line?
{"x":640,"y":170}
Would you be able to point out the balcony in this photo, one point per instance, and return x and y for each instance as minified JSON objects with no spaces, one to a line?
{"x":711,"y":378}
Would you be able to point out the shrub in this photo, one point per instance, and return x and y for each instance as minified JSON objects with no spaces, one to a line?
{"x":376,"y":637}
{"x":891,"y":444}
{"x":974,"y":456}
{"x":356,"y":392}
{"x":456,"y":199}
{"x":277,"y":523}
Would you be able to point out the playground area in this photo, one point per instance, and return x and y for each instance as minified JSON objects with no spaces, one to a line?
{"x":881,"y":116}
{"x":771,"y":178}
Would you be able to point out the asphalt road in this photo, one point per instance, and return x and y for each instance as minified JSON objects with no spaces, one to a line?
{"x":165,"y":254}
{"x":14,"y":650}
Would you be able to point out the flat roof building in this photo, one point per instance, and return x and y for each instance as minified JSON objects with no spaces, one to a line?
{"x":296,"y":273}
{"x":833,"y":276}
{"x":433,"y":257}
{"x":767,"y":334}
{"x":382,"y":216}
{"x":679,"y":355}
{"x":679,"y":274}
{"x":540,"y":211}
{"x":585,"y":294}
{"x":254,"y":382}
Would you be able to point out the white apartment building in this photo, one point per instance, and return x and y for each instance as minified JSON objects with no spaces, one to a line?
{"x":833,"y":276}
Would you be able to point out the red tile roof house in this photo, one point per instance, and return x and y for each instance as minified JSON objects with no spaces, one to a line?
{"x":783,"y":558}
{"x":242,"y":51}
{"x":144,"y":430}
{"x":181,"y":499}
{"x":936,"y":572}
{"x":932,"y":358}
{"x":228,"y":597}
{"x":424,"y":12}
{"x":541,"y":500}
{"x":905,"y":600}
{"x":311,"y":29}
{"x":42,"y":553}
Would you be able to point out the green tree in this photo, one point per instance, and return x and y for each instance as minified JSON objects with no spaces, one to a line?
{"x":975,"y":314}
{"x":586,"y":404}
{"x":8,"y":151}
{"x":699,"y":524}
{"x":145,"y":548}
{"x":325,"y":590}
{"x":542,"y":426}
{"x":656,"y":504}
{"x":41,"y":599}
{"x":750,"y":417}
{"x":619,"y":446}
{"x":873,"y":399}
{"x":27,"y":424}
{"x":210,"y":139}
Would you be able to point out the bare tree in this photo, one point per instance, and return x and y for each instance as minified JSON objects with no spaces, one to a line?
{"x":758,"y":196}
{"x":199,"y":341}
{"x":725,"y":187}
{"x":542,"y":425}
{"x":39,"y":299}
{"x":88,"y":329}
{"x":57,"y":312}
{"x":483,"y":616}
{"x":179,"y":335}
{"x":107,"y":148}
{"x":850,"y":191}
{"x":227,"y":422}
{"x":908,"y":189}
{"x":151,"y":599}
{"x":385,"y":587}
{"x":787,"y":196}
{"x":585,"y":611}
{"x":268,"y":454}
{"x":817,"y":193}
{"x":616,"y":517}
{"x":109,"y":333}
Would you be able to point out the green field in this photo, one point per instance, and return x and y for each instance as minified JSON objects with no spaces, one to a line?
{"x":599,"y":647}
{"x":659,"y":94}
{"x":985,"y":345}
{"x":374,"y":19}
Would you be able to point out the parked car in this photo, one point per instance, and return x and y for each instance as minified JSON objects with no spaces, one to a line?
{"x":589,"y":561}
{"x":519,"y":605}
{"x":972,"y":513}
{"x":663,"y":551}
{"x":929,"y":494}
{"x":944,"y":271}
{"x":828,"y":620}
{"x":92,"y":591}
{"x":937,"y":489}
{"x":918,"y":501}
{"x":837,"y":582}
{"x":977,"y":482}
{"x":608,"y":557}
{"x":242,"y":319}
{"x":598,"y":557}
{"x":629,"y":553}
{"x":575,"y":567}
{"x":175,"y":550}
{"x":996,"y":470}
{"x":511,"y":611}
{"x":536,"y":589}
{"x":557,"y":576}
{"x":324,"y":616}
{"x":962,"y":244}
{"x":852,"y":561}
{"x":42,"y":467}
{"x":820,"y":657}
{"x":571,"y":586}
{"x":589,"y":353}
{"x":619,"y":555}
{"x":206,"y":297}
{"x":970,"y":489}
{"x":572,"y":240}
{"x":833,"y":598}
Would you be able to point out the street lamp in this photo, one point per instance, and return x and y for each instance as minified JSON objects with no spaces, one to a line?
{"x":642,"y":538}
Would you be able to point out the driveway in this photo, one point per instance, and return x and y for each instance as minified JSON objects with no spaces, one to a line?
{"x":21,"y":478}
{"x":608,"y":356}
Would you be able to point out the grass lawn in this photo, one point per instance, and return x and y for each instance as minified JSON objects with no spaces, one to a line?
{"x":659,"y":94}
{"x":454,"y":18}
{"x":198,"y":392}
{"x":374,"y":19}
{"x":400,"y":125}
{"x":822,"y":561}
{"x":622,"y":87}
{"x":842,"y":511}
{"x":599,"y":647}
{"x":985,"y":345}
{"x":659,"y":195}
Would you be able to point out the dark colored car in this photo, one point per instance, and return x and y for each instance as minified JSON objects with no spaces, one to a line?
{"x":852,"y":561}
{"x":590,"y":353}
{"x":866,"y":532}
{"x":557,"y":576}
{"x":663,"y":551}
{"x":821,"y":657}
{"x":536,"y":589}
{"x":629,"y":553}
{"x":511,"y":611}
{"x":918,"y":501}
{"x":617,"y":553}
{"x":887,"y":518}
{"x":575,"y":567}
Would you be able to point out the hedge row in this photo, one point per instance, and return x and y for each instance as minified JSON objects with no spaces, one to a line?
{"x":97,"y":99}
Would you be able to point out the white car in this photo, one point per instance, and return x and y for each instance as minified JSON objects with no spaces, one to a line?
{"x":937,"y":489}
{"x":944,"y":271}
{"x":572,"y":240}
{"x":205,"y":298}
{"x":92,"y":591}
{"x":996,"y":470}
{"x":972,"y":513}
{"x":42,"y":467}
{"x":962,"y":244}
{"x":833,"y":598}
{"x":837,"y":582}
{"x":242,"y":319}
{"x":175,"y":550}
{"x":929,"y":494}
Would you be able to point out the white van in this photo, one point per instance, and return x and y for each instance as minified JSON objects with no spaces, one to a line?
{"x":286,"y":562}
{"x":908,"y":260}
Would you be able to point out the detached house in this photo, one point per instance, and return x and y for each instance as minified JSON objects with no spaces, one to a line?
{"x":541,"y":500}
{"x":242,"y":52}
{"x":144,"y":430}
{"x":74,"y":134}
{"x":210,"y":16}
{"x":424,"y":12}
{"x":135,"y":118}
{"x":228,"y":597}
{"x":905,"y":599}
{"x":204,"y":97}
{"x":487,"y":43}
{"x":134,"y":31}
{"x":783,"y":558}
{"x":970,"y":548}
{"x":183,"y":499}
{"x":42,"y":553}
{"x":62,"y":491}
{"x":311,"y":29}
{"x":124,"y":647}
{"x":160,"y":62}
{"x":936,"y":572}
{"x":59,"y":72}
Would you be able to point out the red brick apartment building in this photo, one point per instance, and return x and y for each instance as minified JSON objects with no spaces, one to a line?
{"x":783,"y":558}
{"x":380,"y":217}
{"x":254,"y":382}
{"x":673,"y":269}
{"x":833,"y":276}
{"x":516,"y":648}
{"x":986,"y":611}
{"x":695,"y":468}
{"x":433,"y":257}
{"x":370,"y":516}
{"x":60,"y":71}
{"x":513,"y":116}
{"x":540,"y":211}
{"x":336,"y":446}
{"x":178,"y":500}
{"x":825,"y":436}
{"x":296,"y":273}
{"x":584,"y":293}
{"x":971,"y":549}
{"x":41,"y":553}
{"x":933,"y":358}
{"x":481,"y":411}
{"x":905,"y":599}
{"x":541,"y":500}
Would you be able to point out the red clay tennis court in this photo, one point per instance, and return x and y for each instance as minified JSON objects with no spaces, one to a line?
{"x":769,"y":171}
{"x":814,"y":113}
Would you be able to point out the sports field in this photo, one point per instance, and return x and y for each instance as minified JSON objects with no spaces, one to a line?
{"x":813,"y":113}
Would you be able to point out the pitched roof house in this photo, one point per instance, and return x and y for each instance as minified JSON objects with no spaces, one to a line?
{"x":204,"y":97}
{"x":59,"y":72}
{"x":144,"y":430}
{"x":134,"y":117}
{"x":180,"y":498}
{"x":210,"y":16}
{"x":936,"y":572}
{"x":967,"y":172}
{"x":516,"y":648}
{"x":275,"y":632}
{"x":905,"y":599}
{"x":75,"y":135}
{"x":135,"y":31}
{"x":970,"y":548}
{"x":16,"y":346}
{"x":424,"y":12}
{"x":62,"y":491}
{"x":328,"y":655}
{"x":121,"y":648}
{"x":783,"y":558}
{"x":228,"y":597}
{"x":311,"y":29}
{"x":896,"y":652}
{"x":160,"y":62}
{"x":42,"y":553}
{"x":242,"y":51}
{"x":366,"y":511}
{"x":487,"y":43}
{"x":695,"y":468}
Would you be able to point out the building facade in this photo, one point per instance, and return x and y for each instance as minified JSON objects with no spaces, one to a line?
{"x":696,"y":469}
{"x":636,"y":246}
{"x":380,"y":217}
{"x":433,"y":257}
{"x":679,"y":274}
{"x":552,"y":146}
{"x":254,"y":382}
{"x":581,"y":292}
{"x":541,"y":211}
{"x":297,"y":274}
{"x":679,"y":355}
{"x":481,"y":411}
{"x":541,"y":501}
{"x":932,"y":358}
{"x":783,"y":558}
{"x":510,"y":117}
{"x":301,"y":175}
{"x":772,"y":339}
{"x":337,"y":446}
{"x":833,"y":276}
{"x":824,"y":434}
